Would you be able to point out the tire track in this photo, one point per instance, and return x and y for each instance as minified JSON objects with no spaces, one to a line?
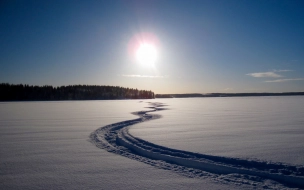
{"x":116,"y":138}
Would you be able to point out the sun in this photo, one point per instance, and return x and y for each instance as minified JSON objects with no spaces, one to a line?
{"x":146,"y":54}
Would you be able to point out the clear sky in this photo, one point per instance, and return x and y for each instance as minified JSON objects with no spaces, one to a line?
{"x":202,"y":46}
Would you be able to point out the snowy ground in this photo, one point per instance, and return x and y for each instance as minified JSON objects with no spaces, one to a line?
{"x":49,"y":145}
{"x":45,"y":145}
{"x":264,"y":128}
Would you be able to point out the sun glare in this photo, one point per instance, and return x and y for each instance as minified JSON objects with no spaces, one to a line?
{"x":146,"y":54}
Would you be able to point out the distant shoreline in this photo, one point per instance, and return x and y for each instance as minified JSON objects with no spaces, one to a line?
{"x":197,"y":95}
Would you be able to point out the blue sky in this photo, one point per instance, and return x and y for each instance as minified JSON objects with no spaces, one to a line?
{"x":203,"y":46}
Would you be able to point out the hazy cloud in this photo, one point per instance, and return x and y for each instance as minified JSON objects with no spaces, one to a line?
{"x":264,"y":74}
{"x":273,"y":74}
{"x":145,"y":76}
{"x":285,"y":80}
{"x":228,"y":89}
{"x":284,"y":70}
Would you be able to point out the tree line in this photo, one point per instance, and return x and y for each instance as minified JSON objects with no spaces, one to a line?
{"x":196,"y":95}
{"x":20,"y":92}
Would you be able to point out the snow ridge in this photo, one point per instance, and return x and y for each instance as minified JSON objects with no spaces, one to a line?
{"x":117,"y":139}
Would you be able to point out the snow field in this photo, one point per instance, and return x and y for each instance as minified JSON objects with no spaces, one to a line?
{"x":117,"y":135}
{"x":45,"y":145}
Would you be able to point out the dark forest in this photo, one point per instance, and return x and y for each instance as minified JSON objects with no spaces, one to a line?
{"x":20,"y":92}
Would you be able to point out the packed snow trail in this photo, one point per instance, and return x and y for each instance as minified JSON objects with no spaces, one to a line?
{"x":116,"y":138}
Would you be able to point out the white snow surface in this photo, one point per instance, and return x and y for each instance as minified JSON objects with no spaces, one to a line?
{"x":48,"y":145}
{"x":45,"y":145}
{"x":257,"y":128}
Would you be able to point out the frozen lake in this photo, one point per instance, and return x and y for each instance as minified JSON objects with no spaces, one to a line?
{"x":266,"y":128}
{"x":46,"y":144}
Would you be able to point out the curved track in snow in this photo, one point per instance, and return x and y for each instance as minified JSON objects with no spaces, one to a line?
{"x":116,"y":138}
